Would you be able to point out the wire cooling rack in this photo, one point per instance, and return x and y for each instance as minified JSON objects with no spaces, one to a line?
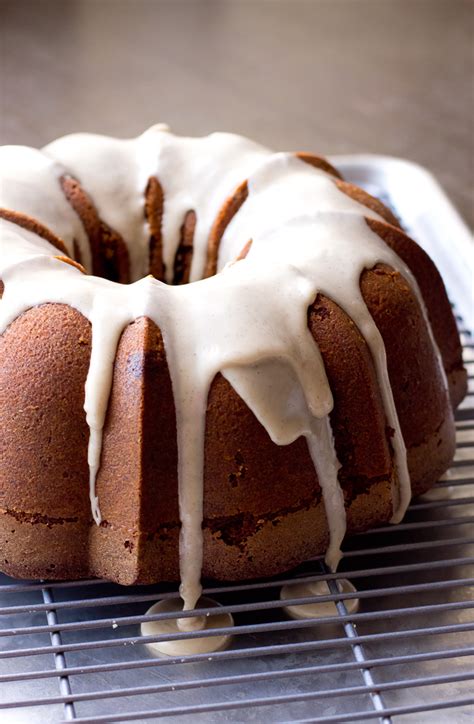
{"x":73,"y":651}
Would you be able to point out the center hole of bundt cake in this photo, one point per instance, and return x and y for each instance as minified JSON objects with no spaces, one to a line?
{"x":111,"y":257}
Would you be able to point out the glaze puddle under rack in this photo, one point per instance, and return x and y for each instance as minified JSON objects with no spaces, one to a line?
{"x":72,"y":651}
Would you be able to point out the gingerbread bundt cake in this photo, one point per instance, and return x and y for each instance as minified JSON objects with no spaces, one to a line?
{"x":301,"y":387}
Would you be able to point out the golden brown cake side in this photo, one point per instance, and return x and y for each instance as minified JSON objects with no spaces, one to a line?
{"x":33,"y":225}
{"x":436,"y":301}
{"x":263,"y":509}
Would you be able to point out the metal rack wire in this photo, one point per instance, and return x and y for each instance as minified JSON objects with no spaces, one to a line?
{"x":73,"y":651}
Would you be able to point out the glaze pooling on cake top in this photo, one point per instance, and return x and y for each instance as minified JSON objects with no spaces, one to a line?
{"x":248,"y":322}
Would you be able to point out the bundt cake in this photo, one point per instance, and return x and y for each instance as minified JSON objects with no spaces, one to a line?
{"x":301,"y":387}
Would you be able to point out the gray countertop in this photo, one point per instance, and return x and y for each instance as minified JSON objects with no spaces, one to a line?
{"x":332,"y":76}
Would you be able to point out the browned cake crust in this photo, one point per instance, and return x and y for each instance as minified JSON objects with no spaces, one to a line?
{"x":263,"y":511}
{"x":436,"y":301}
{"x":367,"y":200}
{"x":318,"y":162}
{"x":71,"y":262}
{"x":223,"y":219}
{"x":108,"y":249}
{"x":30,"y":224}
{"x":154,"y":218}
{"x":184,"y":253}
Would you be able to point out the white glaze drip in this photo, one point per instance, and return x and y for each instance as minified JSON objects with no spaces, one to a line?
{"x":323,"y":455}
{"x":249,"y":322}
{"x":317,"y":609}
{"x":186,"y":646}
